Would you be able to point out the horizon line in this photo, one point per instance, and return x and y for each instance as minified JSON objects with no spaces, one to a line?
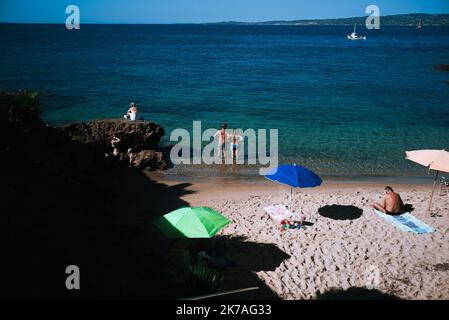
{"x":223,"y":21}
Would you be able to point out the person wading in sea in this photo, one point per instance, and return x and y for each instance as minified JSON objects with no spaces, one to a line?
{"x":235,"y":140}
{"x":222,"y":137}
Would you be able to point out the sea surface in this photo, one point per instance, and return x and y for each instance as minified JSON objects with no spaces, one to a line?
{"x":341,"y":107}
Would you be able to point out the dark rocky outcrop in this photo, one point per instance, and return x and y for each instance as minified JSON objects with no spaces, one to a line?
{"x":138,"y":135}
{"x":62,"y":205}
{"x":142,"y":137}
{"x":150,"y":159}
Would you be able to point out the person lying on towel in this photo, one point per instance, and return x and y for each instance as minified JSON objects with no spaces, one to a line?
{"x":392,"y":202}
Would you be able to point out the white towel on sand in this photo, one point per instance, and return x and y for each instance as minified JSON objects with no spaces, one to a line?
{"x":279,"y":212}
{"x":406,"y":222}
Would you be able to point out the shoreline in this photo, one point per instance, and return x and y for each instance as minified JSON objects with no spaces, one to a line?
{"x":200,"y":191}
{"x":206,"y":193}
{"x":211,"y":176}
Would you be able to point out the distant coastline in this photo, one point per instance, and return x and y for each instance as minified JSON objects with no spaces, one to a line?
{"x":441,"y":20}
{"x":397,"y":20}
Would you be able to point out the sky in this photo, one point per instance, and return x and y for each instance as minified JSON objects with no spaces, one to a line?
{"x":199,"y":11}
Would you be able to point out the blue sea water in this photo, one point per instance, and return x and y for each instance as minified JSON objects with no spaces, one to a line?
{"x":341,"y":107}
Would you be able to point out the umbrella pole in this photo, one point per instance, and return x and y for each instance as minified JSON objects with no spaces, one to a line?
{"x":433,"y":190}
{"x":291,"y":195}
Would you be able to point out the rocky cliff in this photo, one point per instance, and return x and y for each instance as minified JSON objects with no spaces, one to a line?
{"x":141,"y":136}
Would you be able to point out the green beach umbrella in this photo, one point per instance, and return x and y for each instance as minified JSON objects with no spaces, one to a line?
{"x":191,"y":222}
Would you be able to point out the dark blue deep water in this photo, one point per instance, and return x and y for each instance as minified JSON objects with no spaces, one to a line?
{"x":341,"y":107}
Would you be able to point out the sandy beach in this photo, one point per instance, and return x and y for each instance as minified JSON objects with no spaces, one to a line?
{"x":343,"y":246}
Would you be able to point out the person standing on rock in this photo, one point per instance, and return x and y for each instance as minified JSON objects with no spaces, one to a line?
{"x":132,"y":156}
{"x":114,"y":143}
{"x":132,"y":112}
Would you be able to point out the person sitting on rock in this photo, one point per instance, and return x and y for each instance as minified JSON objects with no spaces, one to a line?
{"x":132,"y":112}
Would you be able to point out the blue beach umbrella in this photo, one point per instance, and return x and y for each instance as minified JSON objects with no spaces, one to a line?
{"x":294,"y":176}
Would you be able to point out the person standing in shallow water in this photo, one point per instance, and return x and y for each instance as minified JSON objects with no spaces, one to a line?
{"x":222,"y":137}
{"x":235,"y":140}
{"x":392,"y":202}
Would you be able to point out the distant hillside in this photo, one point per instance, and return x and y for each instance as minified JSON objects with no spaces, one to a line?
{"x":392,"y":20}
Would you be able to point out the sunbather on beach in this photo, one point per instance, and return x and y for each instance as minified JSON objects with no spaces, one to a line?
{"x":222,"y":137}
{"x":392,"y":202}
{"x":132,"y":112}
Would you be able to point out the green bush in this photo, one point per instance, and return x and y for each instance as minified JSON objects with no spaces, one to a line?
{"x":20,"y":107}
{"x":203,"y":279}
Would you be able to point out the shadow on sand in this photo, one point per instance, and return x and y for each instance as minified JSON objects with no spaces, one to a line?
{"x":407,"y":207}
{"x":247,"y":257}
{"x":340,"y":212}
{"x":145,"y":196}
{"x":152,"y":200}
{"x":355,"y":293}
{"x":143,"y":200}
{"x":71,"y":206}
{"x":112,"y":239}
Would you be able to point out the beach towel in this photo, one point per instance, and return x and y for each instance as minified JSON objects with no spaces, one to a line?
{"x":280,"y":212}
{"x":406,"y":222}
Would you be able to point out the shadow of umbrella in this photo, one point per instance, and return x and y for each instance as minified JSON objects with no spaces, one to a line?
{"x":340,"y":212}
{"x":250,"y":255}
{"x":356,"y":293}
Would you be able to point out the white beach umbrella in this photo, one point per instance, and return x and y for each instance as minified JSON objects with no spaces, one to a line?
{"x":437,"y":160}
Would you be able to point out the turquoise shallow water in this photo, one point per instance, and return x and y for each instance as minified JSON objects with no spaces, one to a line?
{"x":341,"y":107}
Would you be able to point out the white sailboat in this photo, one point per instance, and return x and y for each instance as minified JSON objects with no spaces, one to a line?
{"x":419,"y":24}
{"x":354,"y":35}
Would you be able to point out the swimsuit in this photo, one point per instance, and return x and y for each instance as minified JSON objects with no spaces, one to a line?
{"x":392,"y":213}
{"x":234,"y":143}
{"x":223,"y":139}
